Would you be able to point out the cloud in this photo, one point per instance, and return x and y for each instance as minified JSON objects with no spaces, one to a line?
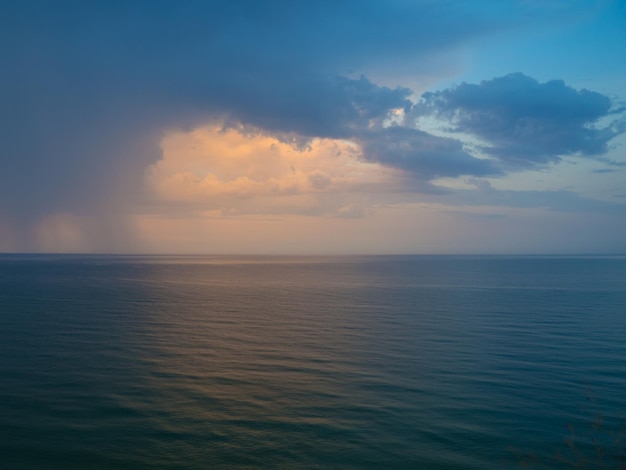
{"x":314,"y":105}
{"x":89,"y":90}
{"x":524,"y":123}
{"x":211,"y":172}
{"x":424,"y":155}
{"x":235,"y":173}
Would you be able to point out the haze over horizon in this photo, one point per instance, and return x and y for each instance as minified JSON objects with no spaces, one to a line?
{"x":380,"y":127}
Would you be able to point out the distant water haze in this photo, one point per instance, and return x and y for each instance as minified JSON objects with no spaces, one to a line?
{"x":438,"y":362}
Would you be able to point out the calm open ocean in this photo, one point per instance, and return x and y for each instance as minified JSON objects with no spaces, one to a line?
{"x":434,"y":362}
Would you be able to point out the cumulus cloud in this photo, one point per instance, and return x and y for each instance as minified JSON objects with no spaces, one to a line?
{"x":212,"y":169}
{"x":524,"y":122}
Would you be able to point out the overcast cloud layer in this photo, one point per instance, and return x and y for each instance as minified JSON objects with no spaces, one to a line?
{"x":89,"y":89}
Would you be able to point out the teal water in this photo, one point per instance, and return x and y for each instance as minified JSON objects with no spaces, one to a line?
{"x":358,"y":362}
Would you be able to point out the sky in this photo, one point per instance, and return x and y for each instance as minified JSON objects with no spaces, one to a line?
{"x":321,"y":127}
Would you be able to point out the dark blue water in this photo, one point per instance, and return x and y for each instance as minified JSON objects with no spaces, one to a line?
{"x":375,"y":362}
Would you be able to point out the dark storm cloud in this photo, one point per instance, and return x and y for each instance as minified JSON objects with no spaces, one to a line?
{"x":88,"y":88}
{"x":525,"y":122}
{"x":313,"y":105}
{"x":424,"y":155}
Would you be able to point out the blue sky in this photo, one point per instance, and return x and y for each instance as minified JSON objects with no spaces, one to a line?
{"x":313,"y":127}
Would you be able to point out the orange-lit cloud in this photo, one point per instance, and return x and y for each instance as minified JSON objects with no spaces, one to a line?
{"x":212,"y":169}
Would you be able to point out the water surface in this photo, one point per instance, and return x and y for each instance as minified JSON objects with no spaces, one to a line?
{"x":355,"y":362}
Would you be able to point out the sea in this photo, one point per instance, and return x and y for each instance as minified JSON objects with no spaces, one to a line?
{"x":260,"y":362}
